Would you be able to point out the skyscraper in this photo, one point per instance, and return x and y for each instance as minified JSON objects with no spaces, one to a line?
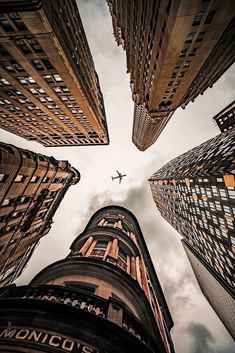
{"x":49,"y":89}
{"x":175,"y":50}
{"x":104,"y":297}
{"x":226,"y":118}
{"x":31,"y":189}
{"x":195,"y":193}
{"x":218,"y":294}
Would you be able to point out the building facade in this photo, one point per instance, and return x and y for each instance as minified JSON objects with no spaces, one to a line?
{"x":224,"y":301}
{"x":31,"y":189}
{"x":104,"y":297}
{"x":49,"y":89}
{"x":226,"y":118}
{"x":195,"y":193}
{"x":175,"y":50}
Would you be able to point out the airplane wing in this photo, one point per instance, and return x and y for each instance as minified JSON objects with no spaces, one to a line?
{"x":119,"y":174}
{"x":120,"y":179}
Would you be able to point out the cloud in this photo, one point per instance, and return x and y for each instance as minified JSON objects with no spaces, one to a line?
{"x":201,"y":338}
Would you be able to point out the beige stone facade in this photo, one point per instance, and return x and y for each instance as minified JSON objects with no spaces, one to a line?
{"x":31,"y":188}
{"x":49,"y":89}
{"x":175,"y":50}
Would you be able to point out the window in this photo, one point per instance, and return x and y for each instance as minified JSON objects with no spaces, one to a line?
{"x":6,"y":25}
{"x":6,"y":202}
{"x":57,"y":89}
{"x":122,"y":255}
{"x":57,"y":78}
{"x":88,"y":287}
{"x":47,"y":64}
{"x":18,"y":21}
{"x":197,"y":19}
{"x":101,"y":244}
{"x":3,"y":178}
{"x":183,"y":52}
{"x":23,"y":46}
{"x":19,"y":178}
{"x":193,"y":52}
{"x":48,"y":78}
{"x":186,"y":64}
{"x":24,"y":199}
{"x":16,"y":214}
{"x":46,"y":179}
{"x":35,"y":45}
{"x":189,"y":37}
{"x":37,"y":64}
{"x":210,"y":17}
{"x":34,"y":179}
{"x":200,"y":36}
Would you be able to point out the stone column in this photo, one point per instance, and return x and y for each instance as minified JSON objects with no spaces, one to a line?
{"x":133,"y":267}
{"x":86,"y":246}
{"x":138,"y":270}
{"x":114,"y":249}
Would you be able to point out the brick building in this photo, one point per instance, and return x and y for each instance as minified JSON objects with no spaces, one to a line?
{"x":31,"y":189}
{"x":49,"y":89}
{"x":175,"y":50}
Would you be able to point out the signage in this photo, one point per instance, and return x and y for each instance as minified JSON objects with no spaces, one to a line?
{"x":63,"y":343}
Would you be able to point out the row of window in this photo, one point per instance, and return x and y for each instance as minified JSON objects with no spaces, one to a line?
{"x":20,"y":178}
{"x":12,"y":23}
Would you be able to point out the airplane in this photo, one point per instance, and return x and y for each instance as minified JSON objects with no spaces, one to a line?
{"x":119,"y":176}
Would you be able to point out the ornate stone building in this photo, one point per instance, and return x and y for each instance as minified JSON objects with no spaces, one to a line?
{"x":195,"y":193}
{"x":31,"y":189}
{"x":175,"y":50}
{"x":104,"y":297}
{"x":49,"y":89}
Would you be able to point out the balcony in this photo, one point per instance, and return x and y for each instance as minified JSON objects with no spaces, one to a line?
{"x":110,"y":309}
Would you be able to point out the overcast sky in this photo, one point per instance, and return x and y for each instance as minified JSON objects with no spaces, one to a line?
{"x":197,"y":329}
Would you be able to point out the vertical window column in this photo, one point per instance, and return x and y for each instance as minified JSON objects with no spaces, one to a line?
{"x":114,"y":249}
{"x":86,"y":246}
{"x":133,"y":267}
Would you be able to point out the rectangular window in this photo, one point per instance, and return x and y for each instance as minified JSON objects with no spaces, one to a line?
{"x":35,"y":45}
{"x":193,"y":52}
{"x":48,"y":78}
{"x":34,"y":179}
{"x":6,"y":25}
{"x":189,"y":37}
{"x":23,"y":46}
{"x":20,"y":178}
{"x":18,"y":22}
{"x":3,"y":178}
{"x":210,"y":17}
{"x":101,"y":244}
{"x":183,"y":53}
{"x":122,"y":255}
{"x":47,"y":64}
{"x":197,"y":19}
{"x":57,"y":78}
{"x":6,"y":202}
{"x":200,"y":36}
{"x":37,"y":64}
